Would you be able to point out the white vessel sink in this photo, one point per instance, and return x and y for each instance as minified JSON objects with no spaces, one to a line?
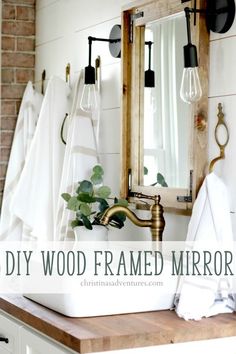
{"x":87,"y":301}
{"x":145,"y":293}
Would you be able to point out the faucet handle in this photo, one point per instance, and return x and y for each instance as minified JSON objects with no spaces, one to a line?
{"x":156,"y":198}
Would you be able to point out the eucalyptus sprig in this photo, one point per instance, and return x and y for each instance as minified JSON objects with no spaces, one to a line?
{"x":160,"y":179}
{"x":91,"y":200}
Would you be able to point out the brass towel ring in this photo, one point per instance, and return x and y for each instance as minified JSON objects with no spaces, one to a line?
{"x":220,"y":123}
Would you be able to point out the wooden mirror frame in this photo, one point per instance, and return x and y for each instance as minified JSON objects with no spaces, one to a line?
{"x":132,"y":101}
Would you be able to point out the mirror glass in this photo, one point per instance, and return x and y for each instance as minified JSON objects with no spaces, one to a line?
{"x":167,"y":123}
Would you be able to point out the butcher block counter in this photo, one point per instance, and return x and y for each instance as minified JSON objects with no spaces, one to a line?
{"x":95,"y":334}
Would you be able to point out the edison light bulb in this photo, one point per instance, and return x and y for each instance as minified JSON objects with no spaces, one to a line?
{"x":190,"y":90}
{"x":89,"y":100}
{"x":150,"y":100}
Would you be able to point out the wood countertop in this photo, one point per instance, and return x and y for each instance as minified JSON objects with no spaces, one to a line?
{"x":94,"y":334}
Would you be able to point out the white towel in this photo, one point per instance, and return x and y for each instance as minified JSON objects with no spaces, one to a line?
{"x":200,"y":296}
{"x":11,"y":225}
{"x":80,"y":158}
{"x":36,"y":196}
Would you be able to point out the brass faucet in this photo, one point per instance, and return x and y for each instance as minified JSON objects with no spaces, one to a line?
{"x":156,"y":223}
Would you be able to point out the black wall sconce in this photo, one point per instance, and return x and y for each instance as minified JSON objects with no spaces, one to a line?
{"x":149,"y":75}
{"x":88,"y":101}
{"x":220,"y":16}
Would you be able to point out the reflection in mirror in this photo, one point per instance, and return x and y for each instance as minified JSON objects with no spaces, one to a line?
{"x":167,"y":123}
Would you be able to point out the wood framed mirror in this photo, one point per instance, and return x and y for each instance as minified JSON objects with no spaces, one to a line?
{"x":164,"y":140}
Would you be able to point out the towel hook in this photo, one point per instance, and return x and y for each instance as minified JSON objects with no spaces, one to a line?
{"x":68,"y":72}
{"x":43,"y":78}
{"x":220,"y":123}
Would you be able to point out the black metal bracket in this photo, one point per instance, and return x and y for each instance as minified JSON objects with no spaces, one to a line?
{"x":133,"y":17}
{"x":184,"y":199}
{"x":187,"y":198}
{"x":6,"y":340}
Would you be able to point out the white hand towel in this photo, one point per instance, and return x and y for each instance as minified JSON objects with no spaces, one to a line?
{"x":36,"y":196}
{"x":11,"y":225}
{"x":202,"y":296}
{"x":80,"y":158}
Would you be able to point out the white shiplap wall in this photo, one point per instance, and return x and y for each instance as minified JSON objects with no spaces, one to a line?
{"x":62,"y":28}
{"x":222,"y":88}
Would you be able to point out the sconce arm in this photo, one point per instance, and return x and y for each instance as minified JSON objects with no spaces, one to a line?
{"x":149,"y":44}
{"x":90,"y":38}
{"x":187,"y":11}
{"x":114,"y":41}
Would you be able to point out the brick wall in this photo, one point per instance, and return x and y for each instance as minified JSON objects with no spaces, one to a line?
{"x":18,"y":60}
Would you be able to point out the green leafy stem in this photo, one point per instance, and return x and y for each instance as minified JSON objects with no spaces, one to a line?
{"x":160,"y":179}
{"x":91,"y":200}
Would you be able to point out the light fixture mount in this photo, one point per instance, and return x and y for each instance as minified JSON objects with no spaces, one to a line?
{"x":88,"y":100}
{"x":220,"y":14}
{"x":115,"y":41}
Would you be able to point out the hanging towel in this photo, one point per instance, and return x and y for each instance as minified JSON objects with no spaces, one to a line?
{"x":202,"y":296}
{"x":36,"y":196}
{"x":80,"y":158}
{"x":11,"y":225}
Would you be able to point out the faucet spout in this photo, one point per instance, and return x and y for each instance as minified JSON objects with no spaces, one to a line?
{"x":156,"y":223}
{"x":130,"y":215}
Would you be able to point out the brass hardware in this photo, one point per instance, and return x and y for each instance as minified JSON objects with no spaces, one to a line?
{"x":221,"y":122}
{"x":156,"y":198}
{"x":156,"y":223}
{"x":97,"y":67}
{"x":98,"y":73}
{"x":43,"y":78}
{"x":68,"y":72}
